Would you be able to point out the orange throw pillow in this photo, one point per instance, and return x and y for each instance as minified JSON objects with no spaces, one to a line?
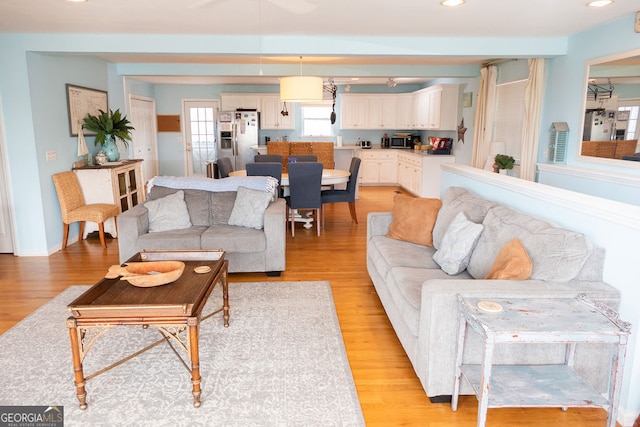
{"x":413,"y":219}
{"x":512,"y":263}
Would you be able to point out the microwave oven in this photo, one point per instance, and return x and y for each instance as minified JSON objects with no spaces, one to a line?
{"x":401,"y":141}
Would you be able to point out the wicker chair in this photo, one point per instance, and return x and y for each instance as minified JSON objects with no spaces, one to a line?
{"x":74,"y":208}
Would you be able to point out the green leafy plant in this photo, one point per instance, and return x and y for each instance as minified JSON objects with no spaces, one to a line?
{"x":109,"y":123}
{"x":504,"y":162}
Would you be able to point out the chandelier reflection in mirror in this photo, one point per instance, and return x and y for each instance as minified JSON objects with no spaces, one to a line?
{"x":596,"y":92}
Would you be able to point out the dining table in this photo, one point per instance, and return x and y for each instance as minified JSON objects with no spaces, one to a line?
{"x":330,"y":177}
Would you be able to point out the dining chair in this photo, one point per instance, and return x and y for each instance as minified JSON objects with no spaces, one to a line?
{"x":273,"y":169}
{"x":224,"y":167}
{"x":349,"y":194}
{"x":74,"y":208}
{"x":260,"y":158}
{"x":304,"y":157}
{"x":305,"y":180}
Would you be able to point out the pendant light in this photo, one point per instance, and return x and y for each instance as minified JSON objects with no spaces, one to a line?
{"x":301,"y":88}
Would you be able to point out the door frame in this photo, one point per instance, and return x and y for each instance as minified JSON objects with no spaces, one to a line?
{"x":154,"y":126}
{"x":5,"y":188}
{"x":184,"y":124}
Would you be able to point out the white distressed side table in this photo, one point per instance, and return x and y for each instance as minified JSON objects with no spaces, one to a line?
{"x":539,"y":320}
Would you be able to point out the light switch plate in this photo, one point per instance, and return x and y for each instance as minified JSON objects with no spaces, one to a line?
{"x":636,"y":24}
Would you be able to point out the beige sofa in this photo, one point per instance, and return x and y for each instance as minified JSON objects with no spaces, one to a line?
{"x":421,"y":300}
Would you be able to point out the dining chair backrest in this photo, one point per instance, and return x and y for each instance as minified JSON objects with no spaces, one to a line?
{"x":305,"y":181}
{"x":260,"y":158}
{"x":304,"y":157}
{"x":273,"y":169}
{"x":224,"y":167}
{"x":354,"y":168}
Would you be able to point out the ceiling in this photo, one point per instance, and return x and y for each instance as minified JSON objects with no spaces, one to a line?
{"x":316,"y":18}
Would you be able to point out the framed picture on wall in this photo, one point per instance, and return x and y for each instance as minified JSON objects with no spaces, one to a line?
{"x":82,"y":101}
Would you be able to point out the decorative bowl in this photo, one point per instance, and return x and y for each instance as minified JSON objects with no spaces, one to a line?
{"x":147,"y":274}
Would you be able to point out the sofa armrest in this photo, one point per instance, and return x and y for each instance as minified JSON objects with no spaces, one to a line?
{"x":131,"y":224}
{"x":438,"y":325}
{"x":378,"y":224}
{"x":275,"y":228}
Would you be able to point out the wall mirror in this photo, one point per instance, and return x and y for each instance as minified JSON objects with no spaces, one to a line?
{"x":611,"y":117}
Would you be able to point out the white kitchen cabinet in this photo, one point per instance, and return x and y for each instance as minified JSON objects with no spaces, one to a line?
{"x":121,"y":185}
{"x":354,"y":111}
{"x":383,"y":112}
{"x":378,"y":167}
{"x":404,"y":111}
{"x":410,"y":172}
{"x":270,"y":114}
{"x":419,"y":173}
{"x":234,"y":101}
{"x":436,"y":108}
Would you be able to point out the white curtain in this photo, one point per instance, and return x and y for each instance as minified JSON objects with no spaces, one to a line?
{"x":483,"y":132}
{"x":531,"y":123}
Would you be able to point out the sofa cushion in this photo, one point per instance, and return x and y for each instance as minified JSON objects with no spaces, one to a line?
{"x":168,"y":213}
{"x":386,"y":253}
{"x":413,"y":219}
{"x":197,"y":202}
{"x":455,"y":200}
{"x":512,"y":263}
{"x":248,"y":208}
{"x":234,"y":239}
{"x":556,"y":254}
{"x":188,"y":238}
{"x":405,"y":287}
{"x":458,"y":244}
{"x":221,"y":205}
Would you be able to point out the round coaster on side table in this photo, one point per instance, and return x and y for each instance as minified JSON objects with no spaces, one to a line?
{"x":202,"y":269}
{"x":489,"y":306}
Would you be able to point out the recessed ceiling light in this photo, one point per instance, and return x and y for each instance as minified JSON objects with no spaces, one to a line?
{"x":76,"y":1}
{"x":451,"y":3}
{"x":599,"y":3}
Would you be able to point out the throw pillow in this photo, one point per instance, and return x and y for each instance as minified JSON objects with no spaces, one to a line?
{"x":168,"y":213}
{"x":457,"y":244}
{"x":413,"y":219}
{"x":248,"y":209}
{"x":512,"y":263}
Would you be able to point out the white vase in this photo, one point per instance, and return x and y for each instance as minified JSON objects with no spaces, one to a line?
{"x":504,"y":171}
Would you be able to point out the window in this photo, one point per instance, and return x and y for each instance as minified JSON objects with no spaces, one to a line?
{"x":631,"y":125}
{"x":316,"y":120}
{"x":509,"y":116}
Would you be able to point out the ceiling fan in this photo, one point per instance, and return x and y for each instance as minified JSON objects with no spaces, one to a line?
{"x":299,"y":7}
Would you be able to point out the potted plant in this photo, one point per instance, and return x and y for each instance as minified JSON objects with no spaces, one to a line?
{"x":108,"y":126}
{"x":503,"y":162}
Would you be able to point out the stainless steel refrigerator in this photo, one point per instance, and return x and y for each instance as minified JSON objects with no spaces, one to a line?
{"x":237,"y":132}
{"x":599,"y":125}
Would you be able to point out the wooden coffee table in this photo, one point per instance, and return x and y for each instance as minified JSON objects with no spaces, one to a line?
{"x":174,"y":309}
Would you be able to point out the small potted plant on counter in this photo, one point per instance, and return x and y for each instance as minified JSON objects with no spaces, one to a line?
{"x":108,"y":126}
{"x":503,"y":163}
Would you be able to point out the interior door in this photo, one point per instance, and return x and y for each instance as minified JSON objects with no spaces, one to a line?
{"x":145,"y":141}
{"x":200,"y":134}
{"x":6,"y":235}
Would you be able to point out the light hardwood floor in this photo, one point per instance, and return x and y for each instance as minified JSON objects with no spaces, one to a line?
{"x":389,"y":391}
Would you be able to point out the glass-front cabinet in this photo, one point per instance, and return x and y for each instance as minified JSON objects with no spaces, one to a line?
{"x":120,"y":184}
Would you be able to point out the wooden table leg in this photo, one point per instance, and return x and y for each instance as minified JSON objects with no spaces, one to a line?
{"x":74,"y":334}
{"x":225,"y":297}
{"x":194,"y":327}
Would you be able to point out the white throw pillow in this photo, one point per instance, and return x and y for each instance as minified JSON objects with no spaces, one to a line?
{"x":168,"y":213}
{"x":248,"y":209}
{"x":457,"y":245}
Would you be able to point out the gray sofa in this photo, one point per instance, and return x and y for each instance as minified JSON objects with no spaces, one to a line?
{"x":247,"y":249}
{"x":421,"y":300}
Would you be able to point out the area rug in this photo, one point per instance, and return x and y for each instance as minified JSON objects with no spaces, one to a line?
{"x":281,"y":362}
